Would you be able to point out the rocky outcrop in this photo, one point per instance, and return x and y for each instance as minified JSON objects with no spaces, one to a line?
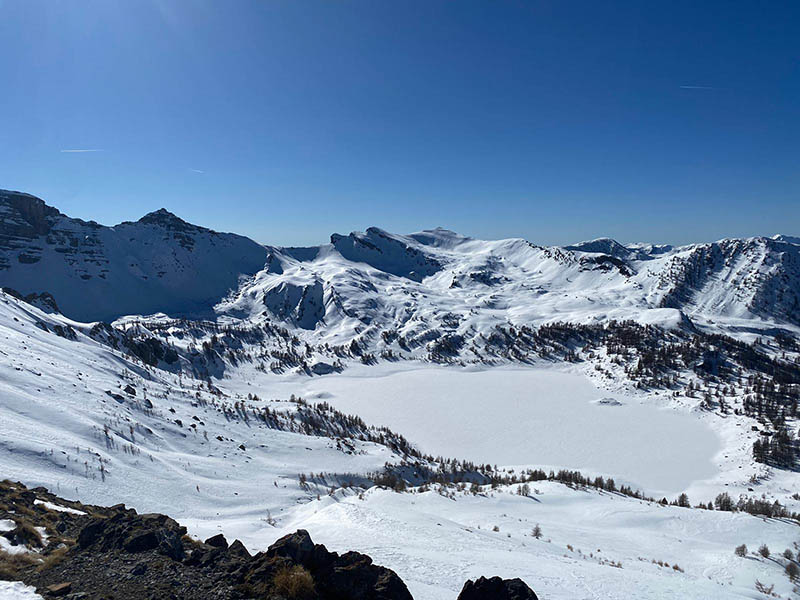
{"x":94,"y":553}
{"x":304,"y":305}
{"x":43,"y":301}
{"x":351,"y":575}
{"x":134,"y":533}
{"x":495,"y":588}
{"x":24,"y":215}
{"x":760,"y":275}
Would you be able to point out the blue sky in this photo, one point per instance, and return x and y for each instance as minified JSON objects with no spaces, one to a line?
{"x":286,"y":121}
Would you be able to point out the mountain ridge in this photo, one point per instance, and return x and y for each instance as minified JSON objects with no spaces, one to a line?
{"x":159,"y":262}
{"x":165,"y":264}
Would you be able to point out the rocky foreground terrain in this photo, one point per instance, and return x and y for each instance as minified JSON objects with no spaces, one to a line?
{"x":80,"y":552}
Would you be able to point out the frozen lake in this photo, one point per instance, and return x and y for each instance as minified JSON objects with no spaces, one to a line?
{"x":529,"y":417}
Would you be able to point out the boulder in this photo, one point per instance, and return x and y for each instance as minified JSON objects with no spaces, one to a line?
{"x":59,"y":589}
{"x":495,"y":588}
{"x":133,"y":533}
{"x":238,"y":549}
{"x":351,"y":575}
{"x":141,"y":541}
{"x":217,"y":541}
{"x":296,"y":546}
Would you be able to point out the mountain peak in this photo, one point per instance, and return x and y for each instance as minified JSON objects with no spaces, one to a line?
{"x":161,"y":215}
{"x":439,"y":237}
{"x":791,"y":239}
{"x":164,"y":218}
{"x":602,"y":246}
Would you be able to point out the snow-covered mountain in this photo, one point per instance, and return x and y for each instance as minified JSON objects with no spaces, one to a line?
{"x":412,"y":284}
{"x":158,"y":263}
{"x":186,"y":401}
{"x":425,"y":284}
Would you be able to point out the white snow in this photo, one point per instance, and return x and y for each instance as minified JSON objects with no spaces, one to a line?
{"x":435,"y":543}
{"x":9,"y":548}
{"x":54,"y":410}
{"x":58,"y":507}
{"x":7,"y":525}
{"x":418,"y":283}
{"x":16,"y":590}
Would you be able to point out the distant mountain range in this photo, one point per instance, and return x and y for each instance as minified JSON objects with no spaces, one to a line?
{"x":376,"y":280}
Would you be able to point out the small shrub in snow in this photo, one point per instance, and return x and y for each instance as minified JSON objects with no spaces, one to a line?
{"x":764,"y":588}
{"x":741,"y":550}
{"x":764,"y":551}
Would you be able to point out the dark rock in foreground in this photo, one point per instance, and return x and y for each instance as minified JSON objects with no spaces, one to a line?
{"x":495,"y":588}
{"x":99,"y":553}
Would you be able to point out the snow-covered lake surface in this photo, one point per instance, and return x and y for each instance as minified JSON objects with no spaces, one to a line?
{"x":534,"y":417}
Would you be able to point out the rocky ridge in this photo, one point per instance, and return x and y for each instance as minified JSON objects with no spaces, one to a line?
{"x":81,"y":552}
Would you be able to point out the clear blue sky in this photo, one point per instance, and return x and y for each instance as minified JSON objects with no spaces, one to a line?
{"x":286,"y":121}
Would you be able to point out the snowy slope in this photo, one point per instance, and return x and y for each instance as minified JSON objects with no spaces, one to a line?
{"x":435,"y":542}
{"x":83,"y":419}
{"x":70,"y":421}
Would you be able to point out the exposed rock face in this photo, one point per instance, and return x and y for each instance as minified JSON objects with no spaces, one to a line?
{"x":124,"y":529}
{"x":303,"y":305}
{"x":351,"y":575}
{"x":43,"y":301}
{"x":495,"y":588}
{"x":24,"y":215}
